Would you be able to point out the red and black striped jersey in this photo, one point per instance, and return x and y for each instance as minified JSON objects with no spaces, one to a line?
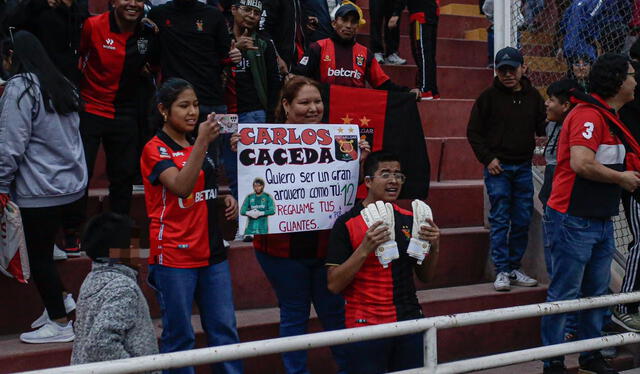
{"x":375,"y":295}
{"x":346,"y":63}
{"x":183,"y":232}
{"x":112,"y":62}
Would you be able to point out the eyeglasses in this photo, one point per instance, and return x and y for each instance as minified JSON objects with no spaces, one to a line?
{"x":253,"y":11}
{"x":401,"y":178}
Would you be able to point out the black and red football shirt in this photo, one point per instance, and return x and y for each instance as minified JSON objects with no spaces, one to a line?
{"x":570,"y":193}
{"x":346,"y":63}
{"x":375,"y":295}
{"x":183,"y":232}
{"x":112,"y":62}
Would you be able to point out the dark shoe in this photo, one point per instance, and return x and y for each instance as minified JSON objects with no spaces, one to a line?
{"x":247,"y":238}
{"x":596,"y":365}
{"x":71,"y":244}
{"x":555,"y":368}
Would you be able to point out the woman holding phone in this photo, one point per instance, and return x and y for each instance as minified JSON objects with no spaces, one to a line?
{"x":188,"y":261}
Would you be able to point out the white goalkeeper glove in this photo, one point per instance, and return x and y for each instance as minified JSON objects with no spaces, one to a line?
{"x":380,"y":211}
{"x":418,"y":248}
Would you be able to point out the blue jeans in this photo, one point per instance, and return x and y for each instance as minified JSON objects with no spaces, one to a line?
{"x":511,"y":197}
{"x":386,"y":355}
{"x":210,"y":287}
{"x":581,"y":250}
{"x":229,"y":158}
{"x":298,"y":283}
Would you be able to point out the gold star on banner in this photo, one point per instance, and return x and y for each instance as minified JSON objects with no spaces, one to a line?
{"x":350,"y":129}
{"x":346,"y":120}
{"x":364,"y":121}
{"x":340,"y":130}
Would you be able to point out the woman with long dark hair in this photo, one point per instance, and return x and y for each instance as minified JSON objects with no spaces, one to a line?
{"x":42,"y":166}
{"x":188,"y":260}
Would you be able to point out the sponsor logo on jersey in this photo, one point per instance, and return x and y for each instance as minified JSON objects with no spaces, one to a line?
{"x":342,"y":72}
{"x":108,"y":44}
{"x":197,"y":197}
{"x":360,"y":60}
{"x":176,"y":154}
{"x":162,"y":151}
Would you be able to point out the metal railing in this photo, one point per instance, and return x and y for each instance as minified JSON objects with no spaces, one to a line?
{"x":430,"y":325}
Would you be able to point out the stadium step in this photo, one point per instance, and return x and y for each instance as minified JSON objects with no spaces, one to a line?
{"x":450,"y":51}
{"x":452,"y":159}
{"x":479,"y":34}
{"x":454,"y":82}
{"x":445,"y":117}
{"x":365,"y":3}
{"x":462,"y":250}
{"x":469,"y":10}
{"x":256,"y":324}
{"x":449,"y":26}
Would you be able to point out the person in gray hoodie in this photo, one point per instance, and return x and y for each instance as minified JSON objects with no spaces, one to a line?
{"x":113,"y":320}
{"x":42,"y":165}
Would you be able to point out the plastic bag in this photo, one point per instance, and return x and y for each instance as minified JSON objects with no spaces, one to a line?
{"x":14,"y":261}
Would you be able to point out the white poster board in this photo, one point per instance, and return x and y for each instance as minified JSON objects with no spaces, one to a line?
{"x":295,"y":177}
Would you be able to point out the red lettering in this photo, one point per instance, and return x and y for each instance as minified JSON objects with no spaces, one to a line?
{"x":246,"y":136}
{"x":325,"y":138}
{"x":263,"y":136}
{"x":308,"y":136}
{"x":293,"y":139}
{"x":279,"y":136}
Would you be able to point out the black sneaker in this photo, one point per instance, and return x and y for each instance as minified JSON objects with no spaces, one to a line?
{"x":596,"y":365}
{"x":555,"y":368}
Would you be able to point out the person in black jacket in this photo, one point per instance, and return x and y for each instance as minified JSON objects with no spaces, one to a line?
{"x":501,"y":131}
{"x":284,"y":23}
{"x":57,"y":24}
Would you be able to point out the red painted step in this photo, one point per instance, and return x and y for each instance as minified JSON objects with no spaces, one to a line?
{"x":449,"y":26}
{"x":445,"y":117}
{"x":452,"y":159}
{"x":457,"y":203}
{"x":454,"y":82}
{"x":259,"y":324}
{"x":453,"y":52}
{"x":365,"y":3}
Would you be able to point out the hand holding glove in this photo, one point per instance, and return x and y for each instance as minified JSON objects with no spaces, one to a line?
{"x":387,"y":251}
{"x":419,"y":248}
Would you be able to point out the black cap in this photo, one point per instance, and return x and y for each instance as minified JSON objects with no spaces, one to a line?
{"x":105,"y":231}
{"x":250,"y":3}
{"x":345,"y":9}
{"x":508,"y":56}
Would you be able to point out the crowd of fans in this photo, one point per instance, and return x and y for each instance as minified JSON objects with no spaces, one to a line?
{"x":142,"y":79}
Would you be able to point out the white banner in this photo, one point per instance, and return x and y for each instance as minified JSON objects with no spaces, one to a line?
{"x":295,"y":177}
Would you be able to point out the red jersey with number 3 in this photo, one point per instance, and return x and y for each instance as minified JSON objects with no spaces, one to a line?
{"x":183,"y":232}
{"x":573,"y":194}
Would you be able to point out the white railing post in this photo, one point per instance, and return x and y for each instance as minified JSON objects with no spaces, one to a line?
{"x":431,"y":350}
{"x":501,"y":25}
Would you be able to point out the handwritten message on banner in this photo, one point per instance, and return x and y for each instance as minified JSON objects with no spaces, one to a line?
{"x":295,"y":177}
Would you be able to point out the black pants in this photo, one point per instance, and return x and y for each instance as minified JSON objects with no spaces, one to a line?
{"x":381,"y":11}
{"x":119,"y":139}
{"x":40,"y":228}
{"x":631,"y":280}
{"x":423,"y":47}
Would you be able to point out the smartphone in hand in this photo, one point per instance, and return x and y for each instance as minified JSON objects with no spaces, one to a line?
{"x":228,"y":123}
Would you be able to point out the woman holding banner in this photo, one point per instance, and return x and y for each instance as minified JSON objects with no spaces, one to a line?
{"x":188,"y":260}
{"x":294,"y":263}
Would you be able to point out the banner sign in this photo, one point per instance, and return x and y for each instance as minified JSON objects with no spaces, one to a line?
{"x":295,"y":177}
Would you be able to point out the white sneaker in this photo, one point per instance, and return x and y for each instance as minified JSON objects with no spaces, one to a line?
{"x":379,"y":57}
{"x":519,"y":278}
{"x":69,"y":306}
{"x":502,"y":282}
{"x":58,"y":254}
{"x":394,"y":59}
{"x":51,"y":332}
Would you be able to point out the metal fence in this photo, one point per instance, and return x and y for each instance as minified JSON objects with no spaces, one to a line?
{"x":430,"y":325}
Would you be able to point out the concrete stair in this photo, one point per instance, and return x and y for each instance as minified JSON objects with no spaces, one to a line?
{"x":256,"y":324}
{"x":623,"y":361}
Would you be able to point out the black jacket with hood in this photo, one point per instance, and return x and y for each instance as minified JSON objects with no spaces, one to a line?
{"x":503,"y":123}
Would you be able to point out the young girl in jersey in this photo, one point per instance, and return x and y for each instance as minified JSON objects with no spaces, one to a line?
{"x":188,"y":261}
{"x":42,"y":168}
